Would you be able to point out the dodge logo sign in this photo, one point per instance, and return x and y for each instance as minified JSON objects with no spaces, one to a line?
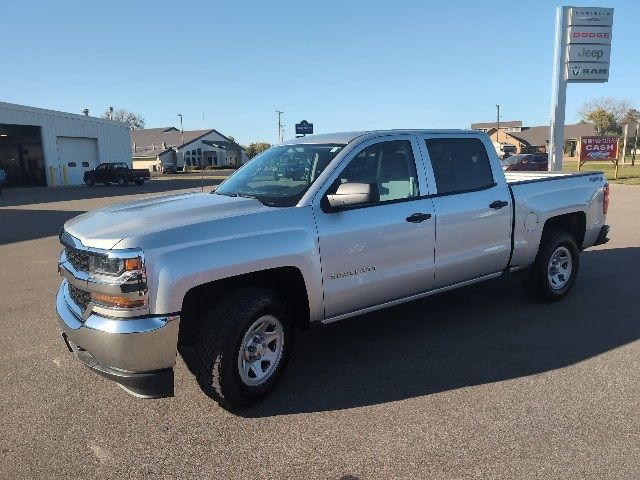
{"x":575,"y":71}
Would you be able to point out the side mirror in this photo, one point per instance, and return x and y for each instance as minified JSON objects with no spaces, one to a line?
{"x":352,"y":194}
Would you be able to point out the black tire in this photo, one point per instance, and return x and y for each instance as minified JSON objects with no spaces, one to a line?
{"x":123,"y":181}
{"x":537,"y":284}
{"x":139,"y":182}
{"x":90,"y":181}
{"x":218,"y":346}
{"x":107,"y":183}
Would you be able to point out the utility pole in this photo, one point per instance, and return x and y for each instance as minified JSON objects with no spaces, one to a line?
{"x":624,"y":143}
{"x":635,"y":146}
{"x":181,"y":141}
{"x":279,"y":125}
{"x":498,"y":124}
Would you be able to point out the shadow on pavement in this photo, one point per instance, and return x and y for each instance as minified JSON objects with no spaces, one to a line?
{"x":19,"y":225}
{"x":476,"y":335}
{"x":13,"y":197}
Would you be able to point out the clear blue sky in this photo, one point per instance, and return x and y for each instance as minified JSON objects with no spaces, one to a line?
{"x":343,"y":65}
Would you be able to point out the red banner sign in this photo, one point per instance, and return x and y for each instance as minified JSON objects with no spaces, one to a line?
{"x":598,"y":148}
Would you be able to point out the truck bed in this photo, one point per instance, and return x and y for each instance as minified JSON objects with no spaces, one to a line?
{"x":528,"y":177}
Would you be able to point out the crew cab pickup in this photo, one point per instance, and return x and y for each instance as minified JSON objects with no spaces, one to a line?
{"x":375,"y":219}
{"x":119,"y":173}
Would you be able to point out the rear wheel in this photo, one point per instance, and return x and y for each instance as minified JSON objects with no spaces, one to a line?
{"x":243,"y":347}
{"x":555,"y":268}
{"x":123,"y":181}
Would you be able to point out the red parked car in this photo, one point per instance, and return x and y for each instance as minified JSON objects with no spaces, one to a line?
{"x":525,"y":162}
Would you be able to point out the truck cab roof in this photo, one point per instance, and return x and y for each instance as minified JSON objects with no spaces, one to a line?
{"x":347,"y":137}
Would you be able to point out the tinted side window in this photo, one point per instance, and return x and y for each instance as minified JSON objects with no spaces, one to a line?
{"x":459,"y":164}
{"x":390,"y":165}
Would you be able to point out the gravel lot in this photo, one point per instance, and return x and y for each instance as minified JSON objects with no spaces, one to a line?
{"x":476,"y":383}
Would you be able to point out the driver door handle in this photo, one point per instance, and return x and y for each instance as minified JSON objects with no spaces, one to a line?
{"x":498,"y":204}
{"x":418,"y":217}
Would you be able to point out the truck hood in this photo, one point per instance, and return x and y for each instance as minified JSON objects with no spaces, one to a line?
{"x":105,"y":227}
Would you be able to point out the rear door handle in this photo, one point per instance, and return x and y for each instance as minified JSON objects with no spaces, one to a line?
{"x":418,"y":217}
{"x":498,"y":204}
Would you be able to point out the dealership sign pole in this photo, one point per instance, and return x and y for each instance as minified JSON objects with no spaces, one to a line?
{"x":581,"y":55}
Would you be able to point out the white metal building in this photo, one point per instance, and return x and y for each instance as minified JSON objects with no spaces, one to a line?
{"x":46,"y":147}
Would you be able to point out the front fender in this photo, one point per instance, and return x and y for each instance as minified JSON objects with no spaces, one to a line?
{"x":252,"y":243}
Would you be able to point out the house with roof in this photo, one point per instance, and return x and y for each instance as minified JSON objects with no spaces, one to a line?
{"x":508,"y":126}
{"x":160,"y":148}
{"x":536,"y":139}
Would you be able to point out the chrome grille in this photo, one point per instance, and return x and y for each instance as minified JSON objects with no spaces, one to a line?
{"x":78,"y":258}
{"x":79,"y":296}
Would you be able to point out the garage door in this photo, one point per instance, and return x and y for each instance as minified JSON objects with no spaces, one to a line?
{"x":76,"y":155}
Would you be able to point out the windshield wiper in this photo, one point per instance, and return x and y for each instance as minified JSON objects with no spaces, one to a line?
{"x":247,"y":195}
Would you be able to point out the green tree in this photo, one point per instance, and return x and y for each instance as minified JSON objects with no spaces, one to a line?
{"x":135,"y":121}
{"x":631,"y":117}
{"x":256,"y":148}
{"x":608,"y":114}
{"x":617,"y":108}
{"x":604,"y":122}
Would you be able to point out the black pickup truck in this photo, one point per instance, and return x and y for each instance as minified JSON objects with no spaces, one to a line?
{"x":119,"y":173}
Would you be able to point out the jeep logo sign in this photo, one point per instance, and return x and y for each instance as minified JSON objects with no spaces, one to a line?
{"x":589,"y":53}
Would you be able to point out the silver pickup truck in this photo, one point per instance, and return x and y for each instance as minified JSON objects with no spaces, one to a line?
{"x":315,"y":230}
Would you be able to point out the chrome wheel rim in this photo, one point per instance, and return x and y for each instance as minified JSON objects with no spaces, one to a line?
{"x":560,"y":267}
{"x":260,"y":350}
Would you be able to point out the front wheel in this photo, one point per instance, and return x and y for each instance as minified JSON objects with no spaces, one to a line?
{"x":90,"y":181}
{"x":555,"y":268}
{"x":243,"y":347}
{"x":122,"y":181}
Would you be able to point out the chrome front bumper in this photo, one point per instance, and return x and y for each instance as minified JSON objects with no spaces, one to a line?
{"x":137,"y":353}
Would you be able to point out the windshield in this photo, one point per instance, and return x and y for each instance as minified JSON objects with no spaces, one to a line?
{"x":513,"y":159}
{"x":280,"y":176}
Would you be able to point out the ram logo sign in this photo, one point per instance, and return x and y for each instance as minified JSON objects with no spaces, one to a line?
{"x":587,"y":72}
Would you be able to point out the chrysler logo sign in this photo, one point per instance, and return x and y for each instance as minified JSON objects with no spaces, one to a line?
{"x":602,"y":17}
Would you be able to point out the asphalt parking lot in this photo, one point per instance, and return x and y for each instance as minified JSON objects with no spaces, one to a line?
{"x":475,"y":383}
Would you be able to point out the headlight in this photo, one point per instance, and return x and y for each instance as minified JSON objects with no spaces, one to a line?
{"x":113,"y":266}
